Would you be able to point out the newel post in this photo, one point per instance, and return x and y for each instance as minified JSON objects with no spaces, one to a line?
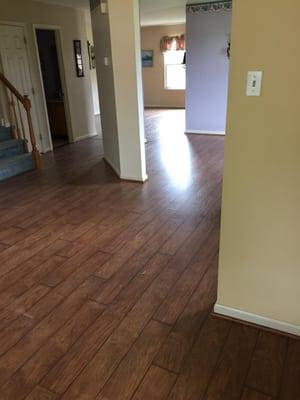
{"x":36,"y":153}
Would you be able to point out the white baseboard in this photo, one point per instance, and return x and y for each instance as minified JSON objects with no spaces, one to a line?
{"x":134,"y":179}
{"x":257,"y":319}
{"x":164,"y":107}
{"x":46,"y":150}
{"x":89,"y":135}
{"x":195,"y":132}
{"x":124,"y":177}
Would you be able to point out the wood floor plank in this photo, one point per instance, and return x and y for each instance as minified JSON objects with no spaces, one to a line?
{"x":22,"y":304}
{"x":114,"y":285}
{"x":40,"y":393}
{"x":12,"y":333}
{"x":24,"y":272}
{"x":11,"y":361}
{"x":115,"y":263}
{"x":120,"y":341}
{"x":156,"y":384}
{"x":267,"y":364}
{"x":181,"y":293}
{"x":230,"y":375}
{"x":172,"y":245}
{"x":132,"y":369}
{"x":3,"y":247}
{"x":250,"y":394}
{"x":30,"y":374}
{"x":83,"y":271}
{"x":290,"y":385}
{"x":185,"y":331}
{"x":199,"y":367}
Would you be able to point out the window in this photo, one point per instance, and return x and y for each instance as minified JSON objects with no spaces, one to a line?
{"x":175,"y":75}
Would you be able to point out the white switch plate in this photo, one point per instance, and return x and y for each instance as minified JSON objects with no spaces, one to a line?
{"x":103,"y":8}
{"x":106,"y":61}
{"x":254,"y":82}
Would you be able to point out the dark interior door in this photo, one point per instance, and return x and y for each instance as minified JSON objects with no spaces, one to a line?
{"x":52,"y":85}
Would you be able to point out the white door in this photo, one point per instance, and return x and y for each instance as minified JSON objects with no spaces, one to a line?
{"x":15,"y":66}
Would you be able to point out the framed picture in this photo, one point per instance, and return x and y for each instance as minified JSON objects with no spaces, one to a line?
{"x":147,"y":58}
{"x":78,"y":58}
{"x":92,"y":59}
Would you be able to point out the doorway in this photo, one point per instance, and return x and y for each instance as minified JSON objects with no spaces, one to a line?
{"x":53,"y":87}
{"x":14,"y":63}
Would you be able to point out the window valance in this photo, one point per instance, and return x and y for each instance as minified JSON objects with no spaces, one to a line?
{"x":172,"y":43}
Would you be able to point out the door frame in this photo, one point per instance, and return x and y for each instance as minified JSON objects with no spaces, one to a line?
{"x":37,"y":127}
{"x":58,"y":38}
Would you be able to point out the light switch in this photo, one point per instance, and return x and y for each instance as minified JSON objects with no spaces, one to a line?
{"x":254,"y":82}
{"x":103,"y":8}
{"x":106,"y":61}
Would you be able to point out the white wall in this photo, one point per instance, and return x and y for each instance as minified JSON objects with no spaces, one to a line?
{"x":207,"y":70}
{"x":93,"y":72}
{"x":117,"y":37}
{"x":79,"y":90}
{"x":101,"y":31}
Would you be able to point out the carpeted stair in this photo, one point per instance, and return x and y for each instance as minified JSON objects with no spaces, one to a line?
{"x":14,"y":160}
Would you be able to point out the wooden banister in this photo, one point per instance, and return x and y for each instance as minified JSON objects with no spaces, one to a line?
{"x":25,"y":101}
{"x":11,"y":88}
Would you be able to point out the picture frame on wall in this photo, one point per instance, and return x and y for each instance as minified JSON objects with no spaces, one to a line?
{"x":147,"y":58}
{"x":78,"y":58}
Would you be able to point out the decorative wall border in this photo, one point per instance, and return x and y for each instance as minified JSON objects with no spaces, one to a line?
{"x":221,"y":5}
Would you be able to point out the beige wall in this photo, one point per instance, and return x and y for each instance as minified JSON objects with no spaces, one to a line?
{"x":259,"y":258}
{"x":153,"y":78}
{"x":72,"y":24}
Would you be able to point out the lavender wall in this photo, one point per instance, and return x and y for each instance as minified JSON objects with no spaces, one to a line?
{"x":207,"y":70}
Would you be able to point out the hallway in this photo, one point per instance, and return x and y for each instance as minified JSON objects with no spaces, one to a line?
{"x":106,"y":287}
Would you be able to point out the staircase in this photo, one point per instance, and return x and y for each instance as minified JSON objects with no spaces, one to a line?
{"x":15,"y":158}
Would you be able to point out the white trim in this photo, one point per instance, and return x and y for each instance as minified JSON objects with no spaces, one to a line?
{"x":134,"y":179}
{"x":257,"y":319}
{"x":47,"y":150}
{"x":83,"y":137}
{"x":164,"y":107}
{"x":196,"y":132}
{"x":127,"y":178}
{"x":58,"y":37}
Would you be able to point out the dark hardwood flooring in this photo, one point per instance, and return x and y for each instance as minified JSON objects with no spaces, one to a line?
{"x":106,"y":287}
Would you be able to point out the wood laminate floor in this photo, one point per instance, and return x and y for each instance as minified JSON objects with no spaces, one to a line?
{"x":106,"y":287}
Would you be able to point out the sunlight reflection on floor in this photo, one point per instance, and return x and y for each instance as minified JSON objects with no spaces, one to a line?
{"x":174,"y":145}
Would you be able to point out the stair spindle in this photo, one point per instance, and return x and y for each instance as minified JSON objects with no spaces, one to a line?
{"x":13,"y":104}
{"x":21,"y":121}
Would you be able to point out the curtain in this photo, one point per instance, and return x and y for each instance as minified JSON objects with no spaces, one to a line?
{"x":172,"y":43}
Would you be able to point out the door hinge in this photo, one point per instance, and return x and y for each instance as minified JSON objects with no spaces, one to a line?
{"x":25,"y":40}
{"x":33,"y":91}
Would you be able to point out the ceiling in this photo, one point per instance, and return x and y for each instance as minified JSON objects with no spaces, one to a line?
{"x":153,"y":12}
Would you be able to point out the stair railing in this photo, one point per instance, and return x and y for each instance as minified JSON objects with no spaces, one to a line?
{"x":16,"y":100}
